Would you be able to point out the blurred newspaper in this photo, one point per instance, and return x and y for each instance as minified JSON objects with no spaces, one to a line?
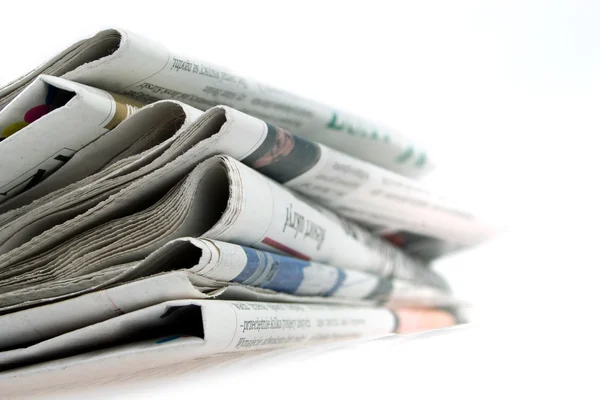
{"x":143,"y":368}
{"x":391,"y":205}
{"x":125,"y":63}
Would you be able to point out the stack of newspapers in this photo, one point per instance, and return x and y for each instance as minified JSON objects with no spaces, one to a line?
{"x":158,"y":207}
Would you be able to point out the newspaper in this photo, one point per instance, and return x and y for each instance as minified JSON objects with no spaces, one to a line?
{"x":227,"y":262}
{"x":63,"y":314}
{"x":125,"y":63}
{"x":135,"y":227}
{"x":147,"y":141}
{"x":220,"y":199}
{"x":133,"y":146}
{"x":216,"y":326}
{"x":49,"y":122}
{"x":406,"y":213}
{"x":182,"y":255}
{"x":391,"y":205}
{"x":107,"y":166}
{"x":143,"y":369}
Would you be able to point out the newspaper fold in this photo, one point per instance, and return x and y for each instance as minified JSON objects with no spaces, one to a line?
{"x":96,"y":303}
{"x":218,"y":326}
{"x":128,"y":147}
{"x":220,"y":199}
{"x":146,"y":362}
{"x":402,"y":294}
{"x":227,"y":262}
{"x":394,"y":206}
{"x":57,"y":119}
{"x":125,"y":63}
{"x":147,"y":141}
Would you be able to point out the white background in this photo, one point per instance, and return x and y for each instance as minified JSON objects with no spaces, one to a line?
{"x":505,"y":93}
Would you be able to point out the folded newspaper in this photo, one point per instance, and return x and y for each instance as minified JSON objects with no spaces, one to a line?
{"x":155,"y":306}
{"x":125,"y":63}
{"x":219,"y":198}
{"x":191,"y":268}
{"x":216,"y":326}
{"x":403,"y":211}
{"x":132,"y":223}
{"x":34,"y":147}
